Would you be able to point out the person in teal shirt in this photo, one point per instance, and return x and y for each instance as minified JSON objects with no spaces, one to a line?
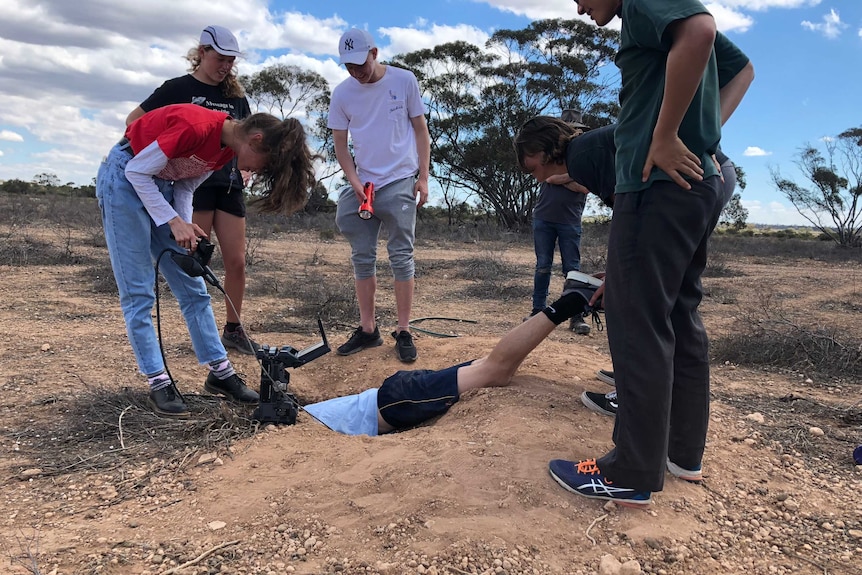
{"x":667,"y":201}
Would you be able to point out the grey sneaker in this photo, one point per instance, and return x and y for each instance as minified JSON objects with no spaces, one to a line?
{"x":404,"y":347}
{"x":239,"y":341}
{"x":603,"y":403}
{"x":579,"y":326}
{"x":360,"y":340}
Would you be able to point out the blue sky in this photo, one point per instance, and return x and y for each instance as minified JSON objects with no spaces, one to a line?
{"x":71,"y":71}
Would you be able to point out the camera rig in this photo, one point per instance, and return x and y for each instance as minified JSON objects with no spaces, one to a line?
{"x":277,"y":404}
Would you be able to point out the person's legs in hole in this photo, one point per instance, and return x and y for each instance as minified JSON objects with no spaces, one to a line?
{"x":410,"y":397}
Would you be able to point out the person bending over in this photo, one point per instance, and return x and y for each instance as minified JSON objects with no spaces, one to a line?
{"x":144,"y":189}
{"x":219,"y":202}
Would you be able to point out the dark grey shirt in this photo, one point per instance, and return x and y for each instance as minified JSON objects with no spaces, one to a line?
{"x":590,"y":161}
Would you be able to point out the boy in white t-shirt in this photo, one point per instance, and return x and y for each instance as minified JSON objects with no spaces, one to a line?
{"x":382,"y":109}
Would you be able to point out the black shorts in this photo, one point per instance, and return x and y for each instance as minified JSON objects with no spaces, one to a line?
{"x":410,"y":397}
{"x":210,"y":198}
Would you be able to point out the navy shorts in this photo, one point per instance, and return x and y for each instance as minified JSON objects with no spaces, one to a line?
{"x":410,"y":397}
{"x":209,"y":199}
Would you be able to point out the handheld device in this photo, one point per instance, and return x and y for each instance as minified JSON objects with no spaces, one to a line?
{"x":366,"y":209}
{"x":196,"y":264}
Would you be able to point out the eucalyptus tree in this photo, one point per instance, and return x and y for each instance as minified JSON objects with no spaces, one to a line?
{"x":831,"y":203}
{"x":287,"y":90}
{"x":478,"y":97}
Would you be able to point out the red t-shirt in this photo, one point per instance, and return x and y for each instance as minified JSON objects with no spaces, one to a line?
{"x":189,"y":135}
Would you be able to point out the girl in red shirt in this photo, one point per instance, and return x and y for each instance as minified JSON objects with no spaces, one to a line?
{"x":145,"y":187}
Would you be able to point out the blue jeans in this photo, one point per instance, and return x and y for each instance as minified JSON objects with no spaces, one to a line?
{"x":134,"y":244}
{"x":546,"y":235}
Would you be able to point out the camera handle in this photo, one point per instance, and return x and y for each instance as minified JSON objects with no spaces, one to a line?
{"x":196,"y":264}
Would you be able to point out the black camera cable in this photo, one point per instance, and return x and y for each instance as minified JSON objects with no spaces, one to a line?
{"x":196,"y":266}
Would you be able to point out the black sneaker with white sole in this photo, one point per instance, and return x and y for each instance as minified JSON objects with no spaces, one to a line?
{"x":606,"y":376}
{"x":603,"y":403}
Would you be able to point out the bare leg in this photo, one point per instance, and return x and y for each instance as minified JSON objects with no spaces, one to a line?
{"x":230,"y":230}
{"x":498,"y":367}
{"x":404,"y":303}
{"x":365,"y":290}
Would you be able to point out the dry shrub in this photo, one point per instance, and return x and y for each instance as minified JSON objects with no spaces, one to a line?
{"x":777,"y":342}
{"x":101,"y":429}
{"x":493,"y":277}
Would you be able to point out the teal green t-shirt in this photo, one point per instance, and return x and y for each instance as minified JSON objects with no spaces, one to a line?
{"x":729,"y":59}
{"x":642,"y":60}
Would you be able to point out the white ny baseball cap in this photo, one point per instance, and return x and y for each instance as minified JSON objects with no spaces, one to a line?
{"x":354,"y":45}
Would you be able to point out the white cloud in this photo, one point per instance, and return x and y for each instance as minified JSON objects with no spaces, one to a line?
{"x":404,"y":40}
{"x":1,"y":153}
{"x":831,"y":26}
{"x":10,"y":136}
{"x":727,"y":19}
{"x":754,"y":151}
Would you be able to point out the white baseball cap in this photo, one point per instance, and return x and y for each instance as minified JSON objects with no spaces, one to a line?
{"x":221,"y":39}
{"x":354,"y":45}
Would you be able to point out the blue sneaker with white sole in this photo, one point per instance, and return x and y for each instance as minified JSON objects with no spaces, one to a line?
{"x":585,"y":478}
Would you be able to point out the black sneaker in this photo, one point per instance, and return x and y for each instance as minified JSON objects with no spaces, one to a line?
{"x":168,"y":401}
{"x":404,"y":348}
{"x":233,"y":388}
{"x":604,"y":403}
{"x":585,"y":285}
{"x":579,"y":326}
{"x":239,"y":341}
{"x":607,"y":376}
{"x":360,"y":340}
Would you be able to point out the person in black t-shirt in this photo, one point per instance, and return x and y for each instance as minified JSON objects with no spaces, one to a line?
{"x":219,"y":202}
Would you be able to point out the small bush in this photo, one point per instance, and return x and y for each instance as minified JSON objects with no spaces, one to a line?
{"x":779,"y":343}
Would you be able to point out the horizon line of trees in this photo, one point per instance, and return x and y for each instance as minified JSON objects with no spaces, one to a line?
{"x":476,"y":98}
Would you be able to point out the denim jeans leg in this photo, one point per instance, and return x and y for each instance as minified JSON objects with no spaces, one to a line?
{"x":193,"y":299}
{"x":128,"y":228}
{"x":544,"y":241}
{"x":570,"y":246}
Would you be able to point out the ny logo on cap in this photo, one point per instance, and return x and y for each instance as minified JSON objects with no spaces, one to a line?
{"x":348,"y":44}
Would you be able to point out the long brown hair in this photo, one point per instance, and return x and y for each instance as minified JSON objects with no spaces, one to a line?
{"x":230,"y":86}
{"x":288,"y":176}
{"x":544,"y":134}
